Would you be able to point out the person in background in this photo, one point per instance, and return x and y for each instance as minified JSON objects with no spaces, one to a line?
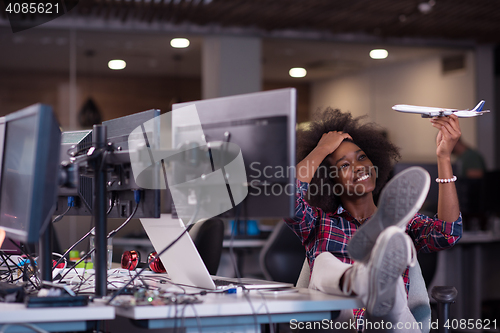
{"x":470,"y":163}
{"x":470,"y":167}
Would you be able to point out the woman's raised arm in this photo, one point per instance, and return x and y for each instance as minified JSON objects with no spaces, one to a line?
{"x":449,"y":133}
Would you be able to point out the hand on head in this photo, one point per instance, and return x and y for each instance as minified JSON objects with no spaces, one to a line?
{"x":332,"y":140}
{"x":449,"y":134}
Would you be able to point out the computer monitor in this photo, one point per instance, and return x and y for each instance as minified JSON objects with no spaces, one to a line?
{"x":120,"y":180}
{"x":10,"y":246}
{"x":74,"y":143}
{"x":29,"y":146}
{"x":262,"y":126}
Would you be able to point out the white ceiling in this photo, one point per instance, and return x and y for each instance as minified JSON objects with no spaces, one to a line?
{"x":150,"y":54}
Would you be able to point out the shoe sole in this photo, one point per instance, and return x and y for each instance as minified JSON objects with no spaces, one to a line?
{"x":389,"y":262}
{"x":400,"y":200}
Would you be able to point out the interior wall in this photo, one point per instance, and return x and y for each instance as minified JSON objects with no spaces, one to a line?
{"x":303,"y":96}
{"x":373,"y":93}
{"x":116,"y":96}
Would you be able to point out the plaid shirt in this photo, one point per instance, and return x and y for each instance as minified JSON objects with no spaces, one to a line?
{"x":322,"y":231}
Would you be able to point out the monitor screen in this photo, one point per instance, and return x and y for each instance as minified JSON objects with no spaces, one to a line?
{"x":18,"y":172}
{"x":29,"y":173}
{"x":250,"y":136}
{"x":10,"y":247}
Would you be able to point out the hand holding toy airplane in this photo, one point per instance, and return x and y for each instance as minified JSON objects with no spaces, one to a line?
{"x":429,"y":112}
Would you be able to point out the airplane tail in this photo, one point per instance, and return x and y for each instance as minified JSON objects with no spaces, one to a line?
{"x":479,"y":107}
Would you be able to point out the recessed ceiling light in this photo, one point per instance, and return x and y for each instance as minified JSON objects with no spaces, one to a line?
{"x":378,"y":54}
{"x":297,"y":72}
{"x":117,"y":64}
{"x":426,"y":7}
{"x":179,"y":43}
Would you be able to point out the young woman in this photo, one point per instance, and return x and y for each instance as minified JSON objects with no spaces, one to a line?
{"x":343,"y":165}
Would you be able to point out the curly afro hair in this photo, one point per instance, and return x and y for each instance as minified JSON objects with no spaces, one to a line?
{"x":369,"y":137}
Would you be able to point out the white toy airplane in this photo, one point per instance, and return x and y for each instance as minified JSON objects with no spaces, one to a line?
{"x":429,"y":112}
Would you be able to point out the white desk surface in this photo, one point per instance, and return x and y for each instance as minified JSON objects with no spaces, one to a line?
{"x":225,"y":305}
{"x":234,"y":313}
{"x":12,"y":313}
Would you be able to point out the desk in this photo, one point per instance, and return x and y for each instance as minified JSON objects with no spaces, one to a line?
{"x":233,"y":312}
{"x":219,"y":312}
{"x":62,"y":319}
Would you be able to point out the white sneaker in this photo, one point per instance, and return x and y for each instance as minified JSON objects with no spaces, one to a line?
{"x":375,"y":282}
{"x":400,"y":199}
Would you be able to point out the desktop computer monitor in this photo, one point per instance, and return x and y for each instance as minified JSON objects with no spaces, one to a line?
{"x":120,"y":180}
{"x":262,"y":127}
{"x":74,"y":143}
{"x":29,"y":146}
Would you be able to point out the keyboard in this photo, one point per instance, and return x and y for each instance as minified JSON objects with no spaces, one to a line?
{"x":223,"y":283}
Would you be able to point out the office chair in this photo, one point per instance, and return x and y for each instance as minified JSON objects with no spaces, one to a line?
{"x":418,"y":299}
{"x":282,"y":256}
{"x":208,"y":236}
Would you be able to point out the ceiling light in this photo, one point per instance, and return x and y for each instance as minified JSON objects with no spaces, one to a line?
{"x":179,"y":43}
{"x":378,"y":54}
{"x":117,"y":64}
{"x":297,"y":72}
{"x":426,"y":7}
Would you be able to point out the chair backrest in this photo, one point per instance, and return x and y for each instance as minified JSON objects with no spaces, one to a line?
{"x":305,"y":273}
{"x":208,"y":236}
{"x":428,"y":265}
{"x":282,"y":256}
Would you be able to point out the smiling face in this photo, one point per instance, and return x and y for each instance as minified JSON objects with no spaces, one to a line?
{"x":354,"y":170}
